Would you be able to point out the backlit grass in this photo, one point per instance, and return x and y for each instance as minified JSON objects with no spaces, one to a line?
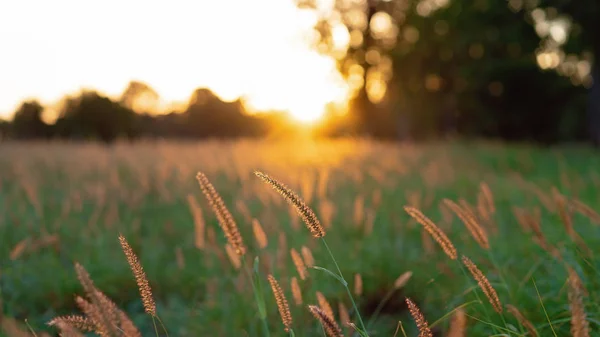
{"x":67,"y":203}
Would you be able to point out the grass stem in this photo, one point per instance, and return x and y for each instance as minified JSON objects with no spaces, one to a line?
{"x":345,"y":283}
{"x":259,"y":298}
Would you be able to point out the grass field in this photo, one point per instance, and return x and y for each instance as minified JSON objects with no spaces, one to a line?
{"x":66,"y":203}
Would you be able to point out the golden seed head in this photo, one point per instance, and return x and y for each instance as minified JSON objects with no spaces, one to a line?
{"x":282,"y":304}
{"x":329,"y":325}
{"x":458,"y":325}
{"x":402,"y":279}
{"x":579,"y":324}
{"x":259,"y":234}
{"x":344,"y":314}
{"x":128,"y":327}
{"x":299,"y":263}
{"x":78,"y":322}
{"x":325,"y":306}
{"x":422,"y":324}
{"x":68,"y":330}
{"x":224,"y":217}
{"x":484,"y":284}
{"x":296,"y":291}
{"x":358,"y":284}
{"x":100,"y":310}
{"x":305,"y":212}
{"x":563,"y":211}
{"x":486,"y":192}
{"x":234,"y":258}
{"x":140,"y":277}
{"x":585,"y":210}
{"x":199,"y":224}
{"x":101,"y":326}
{"x":309,"y":261}
{"x":437,"y":234}
{"x":84,"y":279}
{"x":524,"y":321}
{"x":471,"y":222}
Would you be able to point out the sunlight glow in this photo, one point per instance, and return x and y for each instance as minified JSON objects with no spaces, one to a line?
{"x":257,"y":50}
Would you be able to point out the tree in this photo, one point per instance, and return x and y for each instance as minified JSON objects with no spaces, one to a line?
{"x":140,"y":98}
{"x":91,"y":115}
{"x":4,"y":129}
{"x":448,"y":66}
{"x":584,"y":15}
{"x":363,"y":57}
{"x":27,"y":121}
{"x":208,"y":116}
{"x":145,"y":101}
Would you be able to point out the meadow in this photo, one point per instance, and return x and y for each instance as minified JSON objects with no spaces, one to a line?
{"x":530,"y":228}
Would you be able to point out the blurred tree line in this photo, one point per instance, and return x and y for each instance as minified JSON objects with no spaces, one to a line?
{"x":509,"y":69}
{"x":419,"y":69}
{"x":92,"y":116}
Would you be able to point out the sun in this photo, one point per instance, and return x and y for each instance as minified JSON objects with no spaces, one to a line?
{"x":307,"y":118}
{"x":309,"y":115}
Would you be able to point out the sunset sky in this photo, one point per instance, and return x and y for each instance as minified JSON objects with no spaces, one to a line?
{"x":236,"y":47}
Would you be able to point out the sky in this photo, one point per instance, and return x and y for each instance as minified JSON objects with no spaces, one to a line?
{"x":256,"y":49}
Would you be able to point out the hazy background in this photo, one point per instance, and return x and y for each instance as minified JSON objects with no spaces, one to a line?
{"x":235,"y":48}
{"x":400,"y":69}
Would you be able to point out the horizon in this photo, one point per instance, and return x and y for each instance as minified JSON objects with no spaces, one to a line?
{"x":264,"y":55}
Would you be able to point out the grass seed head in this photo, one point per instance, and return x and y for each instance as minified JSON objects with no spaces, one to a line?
{"x":484,"y":284}
{"x":422,"y":324}
{"x":579,"y":324}
{"x":524,"y":321}
{"x":471,"y":222}
{"x":458,"y":324}
{"x":331,"y":328}
{"x":259,"y":234}
{"x":305,"y":212}
{"x":224,"y":217}
{"x":101,"y":325}
{"x":309,"y":260}
{"x":437,"y":234}
{"x":358,"y":284}
{"x":402,"y":279}
{"x":79,"y":322}
{"x":299,"y":263}
{"x":68,"y":330}
{"x":324,"y":305}
{"x":296,"y":291}
{"x":140,"y":277}
{"x":344,"y":314}
{"x":282,"y":304}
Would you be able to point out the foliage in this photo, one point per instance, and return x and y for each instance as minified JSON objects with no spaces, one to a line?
{"x":94,"y":116}
{"x":27,"y":121}
{"x":470,"y":68}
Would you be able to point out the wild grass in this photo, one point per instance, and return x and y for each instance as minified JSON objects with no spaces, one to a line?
{"x":454,"y":239}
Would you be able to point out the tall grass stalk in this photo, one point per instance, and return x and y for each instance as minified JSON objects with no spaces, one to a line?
{"x":162,"y":325}
{"x":345,"y":283}
{"x":501,"y":275}
{"x":475,"y":290}
{"x":543,"y":307}
{"x":154,"y":324}
{"x":259,"y":296}
{"x":400,"y":327}
{"x":441,"y":319}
